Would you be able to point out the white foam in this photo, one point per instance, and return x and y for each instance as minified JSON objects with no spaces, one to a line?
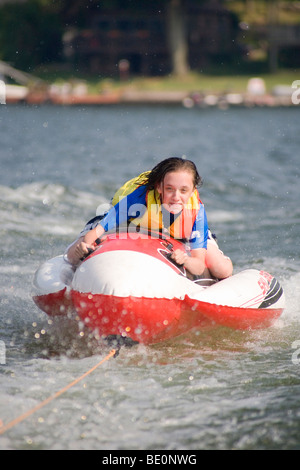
{"x":291,"y":287}
{"x":42,"y":208}
{"x":225,"y":216}
{"x":48,"y":194}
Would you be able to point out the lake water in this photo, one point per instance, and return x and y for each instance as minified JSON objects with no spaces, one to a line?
{"x":212,"y":389}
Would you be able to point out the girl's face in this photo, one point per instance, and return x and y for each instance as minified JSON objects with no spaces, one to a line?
{"x":175,"y":190}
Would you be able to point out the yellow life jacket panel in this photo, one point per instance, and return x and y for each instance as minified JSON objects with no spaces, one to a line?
{"x":129,"y":187}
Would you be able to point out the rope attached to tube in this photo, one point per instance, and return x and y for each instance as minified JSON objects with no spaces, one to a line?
{"x":28,"y":413}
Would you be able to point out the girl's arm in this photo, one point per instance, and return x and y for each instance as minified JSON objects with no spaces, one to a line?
{"x":201,"y":260}
{"x":195,"y":263}
{"x":219,"y":265}
{"x":81,"y":247}
{"x":118,"y":214}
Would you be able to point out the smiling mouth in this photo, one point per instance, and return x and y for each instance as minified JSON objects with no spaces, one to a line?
{"x":176,"y":207}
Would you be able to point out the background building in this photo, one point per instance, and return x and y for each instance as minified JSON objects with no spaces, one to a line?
{"x":141,"y":41}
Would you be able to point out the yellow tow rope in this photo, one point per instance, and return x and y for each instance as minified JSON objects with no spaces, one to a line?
{"x":11,"y":424}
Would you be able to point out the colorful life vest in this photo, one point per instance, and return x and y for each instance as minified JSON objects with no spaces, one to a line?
{"x":152,"y":218}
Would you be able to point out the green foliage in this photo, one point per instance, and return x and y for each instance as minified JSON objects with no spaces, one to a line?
{"x":30,"y":34}
{"x":31,"y":31}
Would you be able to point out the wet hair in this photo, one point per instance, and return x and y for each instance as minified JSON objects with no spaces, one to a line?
{"x":172,"y":164}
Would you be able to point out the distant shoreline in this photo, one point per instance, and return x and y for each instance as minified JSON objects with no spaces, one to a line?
{"x":18,"y":95}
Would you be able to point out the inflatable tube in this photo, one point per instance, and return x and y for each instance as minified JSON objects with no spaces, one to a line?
{"x":130,"y":287}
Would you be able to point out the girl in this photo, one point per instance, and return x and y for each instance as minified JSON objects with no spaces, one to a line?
{"x":164,"y":199}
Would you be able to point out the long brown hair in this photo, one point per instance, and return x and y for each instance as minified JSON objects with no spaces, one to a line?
{"x":158,"y":173}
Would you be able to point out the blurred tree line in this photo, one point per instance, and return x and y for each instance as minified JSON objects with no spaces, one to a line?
{"x":31,"y":31}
